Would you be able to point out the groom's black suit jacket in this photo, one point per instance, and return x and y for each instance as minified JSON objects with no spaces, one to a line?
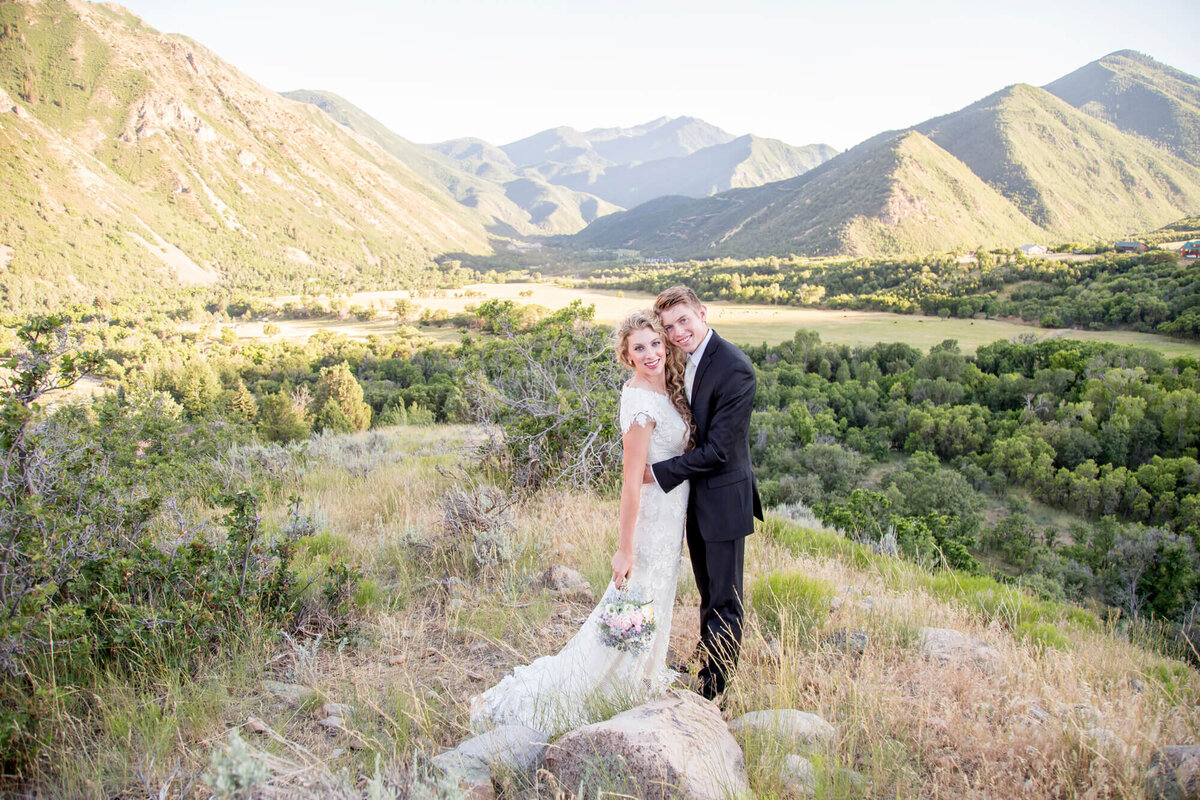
{"x":724,"y":496}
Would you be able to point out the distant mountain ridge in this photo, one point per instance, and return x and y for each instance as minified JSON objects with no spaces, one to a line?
{"x":1019,"y":165}
{"x":629,"y":166}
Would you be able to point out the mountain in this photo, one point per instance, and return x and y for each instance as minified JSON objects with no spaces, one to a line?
{"x":133,"y":158}
{"x":474,"y":173}
{"x":742,"y":162}
{"x":1071,"y":174}
{"x":893,"y":193}
{"x":1141,"y":96}
{"x":628,"y":166}
{"x":1017,"y":166}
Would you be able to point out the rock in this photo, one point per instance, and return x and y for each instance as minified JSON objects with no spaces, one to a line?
{"x":256,"y":725}
{"x":336,"y":709}
{"x":836,"y":603}
{"x":510,"y":747}
{"x":1038,"y":714}
{"x":676,"y":746}
{"x":1137,"y":685}
{"x":1174,"y":773}
{"x":568,"y":583}
{"x":473,"y":777}
{"x":853,"y":642}
{"x":796,"y":729}
{"x":951,"y":647}
{"x":1084,"y":714}
{"x":332,"y":722}
{"x":1105,"y":739}
{"x":798,"y":777}
{"x":291,"y":693}
{"x":497,"y":756}
{"x":398,"y":659}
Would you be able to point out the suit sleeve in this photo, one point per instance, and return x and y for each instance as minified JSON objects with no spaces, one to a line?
{"x":732,"y":406}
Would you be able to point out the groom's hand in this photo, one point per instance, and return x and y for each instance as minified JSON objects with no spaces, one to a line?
{"x":648,"y":475}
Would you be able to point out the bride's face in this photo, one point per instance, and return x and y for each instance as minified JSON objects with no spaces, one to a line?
{"x":647,"y":352}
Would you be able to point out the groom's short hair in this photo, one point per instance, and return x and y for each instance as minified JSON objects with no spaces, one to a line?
{"x":669,"y":298}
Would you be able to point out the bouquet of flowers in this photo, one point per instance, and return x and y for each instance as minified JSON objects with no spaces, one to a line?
{"x":626,"y":622}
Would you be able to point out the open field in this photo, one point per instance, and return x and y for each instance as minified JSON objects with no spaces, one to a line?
{"x":742,"y":323}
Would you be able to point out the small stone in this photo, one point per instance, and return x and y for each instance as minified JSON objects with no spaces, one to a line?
{"x":798,"y":777}
{"x":456,"y":604}
{"x":853,"y":642}
{"x":1137,"y":685}
{"x":798,"y":729}
{"x":336,"y":752}
{"x":1105,"y":739}
{"x":336,"y":709}
{"x":292,"y":693}
{"x":332,"y":722}
{"x":479,"y":647}
{"x":1084,"y":714}
{"x":1038,"y":714}
{"x":868,"y":602}
{"x":476,"y":676}
{"x":568,"y":583}
{"x":836,"y":603}
{"x":473,"y":777}
{"x":952,"y":647}
{"x":256,"y":725}
{"x":399,"y":659}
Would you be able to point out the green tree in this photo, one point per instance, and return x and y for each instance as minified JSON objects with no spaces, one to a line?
{"x":337,"y":385}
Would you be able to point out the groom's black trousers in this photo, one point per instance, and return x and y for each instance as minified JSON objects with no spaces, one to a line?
{"x":718,"y":570}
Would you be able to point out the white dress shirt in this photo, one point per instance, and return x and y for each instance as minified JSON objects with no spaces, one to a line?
{"x":689,"y":373}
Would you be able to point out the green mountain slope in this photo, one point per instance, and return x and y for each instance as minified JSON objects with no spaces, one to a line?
{"x":1141,"y":96}
{"x":1066,"y":171}
{"x":1017,"y":166}
{"x":506,"y":202}
{"x":898,"y":193}
{"x":121,"y":135}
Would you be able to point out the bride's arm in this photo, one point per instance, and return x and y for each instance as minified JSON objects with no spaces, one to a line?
{"x":636,"y":444}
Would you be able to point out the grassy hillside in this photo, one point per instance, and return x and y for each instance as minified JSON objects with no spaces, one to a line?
{"x":433,"y":629}
{"x":1141,"y":96}
{"x":507,"y":203}
{"x":119,"y":134}
{"x":891,"y":194}
{"x":1066,"y":171}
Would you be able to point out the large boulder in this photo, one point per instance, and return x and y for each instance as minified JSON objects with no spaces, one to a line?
{"x":1174,"y":773}
{"x":502,"y":755}
{"x":677,"y":746}
{"x":795,"y":731}
{"x":952,"y":647}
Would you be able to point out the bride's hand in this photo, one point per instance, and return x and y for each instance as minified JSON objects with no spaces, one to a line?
{"x":622,"y":565}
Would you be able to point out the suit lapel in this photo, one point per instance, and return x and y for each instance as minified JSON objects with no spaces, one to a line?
{"x":702,"y":367}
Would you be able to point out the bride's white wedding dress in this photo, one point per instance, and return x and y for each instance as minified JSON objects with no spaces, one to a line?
{"x":586,"y":678}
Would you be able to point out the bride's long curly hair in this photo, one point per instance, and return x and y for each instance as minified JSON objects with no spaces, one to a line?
{"x":675,"y":366}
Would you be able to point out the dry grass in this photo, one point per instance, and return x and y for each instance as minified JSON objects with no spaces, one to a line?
{"x":911,"y":727}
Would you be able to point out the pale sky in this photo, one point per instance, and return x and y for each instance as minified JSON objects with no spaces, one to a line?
{"x":804,"y":72}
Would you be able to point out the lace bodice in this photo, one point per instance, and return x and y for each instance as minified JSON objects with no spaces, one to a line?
{"x":639,"y":406}
{"x":587,"y":680}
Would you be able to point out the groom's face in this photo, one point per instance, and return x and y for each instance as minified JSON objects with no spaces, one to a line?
{"x":686,"y":325}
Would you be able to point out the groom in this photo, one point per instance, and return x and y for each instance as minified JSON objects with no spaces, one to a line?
{"x":724,"y":495}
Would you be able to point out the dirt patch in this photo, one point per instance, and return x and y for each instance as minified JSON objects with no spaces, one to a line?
{"x":6,"y":255}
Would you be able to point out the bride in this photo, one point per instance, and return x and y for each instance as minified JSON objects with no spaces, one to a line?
{"x":588,"y":680}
